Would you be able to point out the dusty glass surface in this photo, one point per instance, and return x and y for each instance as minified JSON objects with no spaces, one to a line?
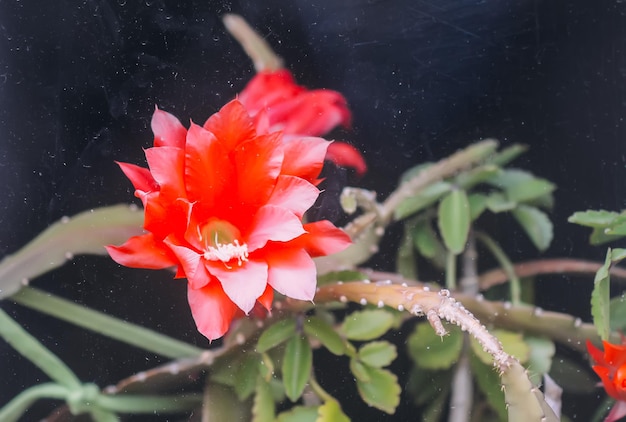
{"x":79,"y":82}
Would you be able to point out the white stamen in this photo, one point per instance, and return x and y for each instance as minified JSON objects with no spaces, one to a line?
{"x":227,"y":252}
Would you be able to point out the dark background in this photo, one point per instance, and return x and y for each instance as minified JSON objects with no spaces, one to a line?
{"x":79,"y":81}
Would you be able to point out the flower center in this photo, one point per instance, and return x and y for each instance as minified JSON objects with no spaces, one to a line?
{"x":221,"y":241}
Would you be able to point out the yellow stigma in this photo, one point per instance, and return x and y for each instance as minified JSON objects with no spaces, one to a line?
{"x":221,"y":241}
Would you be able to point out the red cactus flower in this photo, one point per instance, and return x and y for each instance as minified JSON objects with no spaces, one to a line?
{"x":224,"y":205}
{"x":610,"y":366}
{"x":276,"y":102}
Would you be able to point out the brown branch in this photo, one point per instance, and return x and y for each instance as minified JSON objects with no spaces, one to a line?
{"x":546,"y":266}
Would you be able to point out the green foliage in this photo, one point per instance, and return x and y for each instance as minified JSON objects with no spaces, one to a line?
{"x":381,"y":390}
{"x":297,"y":365}
{"x":367,"y":325}
{"x":263,"y":409}
{"x":276,"y":334}
{"x":330,"y":411}
{"x":488,"y":382}
{"x":454,"y":220}
{"x":323,"y":332}
{"x":429,"y":351}
{"x":537,"y":225}
{"x":607,"y":226}
{"x":600,"y":296}
{"x":377,"y":353}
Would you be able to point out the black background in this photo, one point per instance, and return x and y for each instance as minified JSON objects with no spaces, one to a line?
{"x":79,"y":81}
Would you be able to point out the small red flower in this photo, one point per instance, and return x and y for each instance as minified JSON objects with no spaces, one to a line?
{"x":276,"y":102}
{"x":224,"y":205}
{"x":610,"y":366}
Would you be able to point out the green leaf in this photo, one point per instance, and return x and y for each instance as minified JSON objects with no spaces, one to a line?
{"x":430,"y":351}
{"x":377,"y":353}
{"x":600,"y":298}
{"x":593,"y":218}
{"x":537,"y":225}
{"x":542,"y":351}
{"x":427,"y":243}
{"x":468,"y":179}
{"x":246,"y":376}
{"x":599,"y":237}
{"x":382,"y":391}
{"x":367,"y":325}
{"x":617,"y":255}
{"x":263,"y":409}
{"x":299,"y":414}
{"x":477,"y":203}
{"x":528,"y":191}
{"x":454,"y":220}
{"x":330,"y":411}
{"x":512,"y":342}
{"x":488,"y":381}
{"x":424,"y":199}
{"x":297,"y":365}
{"x":276,"y":334}
{"x":507,"y":154}
{"x":325,"y":334}
{"x":617,"y":312}
{"x":406,"y":264}
{"x":498,"y":202}
{"x":359,"y":370}
{"x":617,"y":230}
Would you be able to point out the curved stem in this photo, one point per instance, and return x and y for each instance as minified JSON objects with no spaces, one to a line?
{"x":507,"y":266}
{"x":14,"y":409}
{"x":547,"y":266}
{"x":104,"y":324}
{"x":29,"y":347}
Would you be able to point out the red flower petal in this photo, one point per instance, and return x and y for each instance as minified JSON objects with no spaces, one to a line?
{"x":323,"y":238}
{"x":167,"y":165}
{"x":211,"y":309}
{"x":267,"y":298}
{"x":293,"y":193}
{"x":311,"y":113}
{"x":167,"y":129}
{"x":242,"y":284}
{"x":232,"y":125}
{"x":140,"y":177}
{"x":258,"y":163}
{"x":273,"y":223}
{"x":192,"y":263}
{"x":304,"y":157}
{"x":208,"y":170}
{"x":143,"y":252}
{"x":345,"y":155}
{"x":164,"y":218}
{"x":614,"y":355}
{"x":292,"y":272}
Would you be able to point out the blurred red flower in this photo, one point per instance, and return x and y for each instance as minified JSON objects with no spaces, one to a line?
{"x":276,"y":102}
{"x":224,"y":204}
{"x":610,"y":366}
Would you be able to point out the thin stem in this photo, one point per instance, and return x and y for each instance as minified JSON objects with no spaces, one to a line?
{"x":14,"y":409}
{"x":507,"y":266}
{"x":253,"y":44}
{"x":462,"y":385}
{"x":451,"y":271}
{"x":547,"y":266}
{"x":132,"y":403}
{"x":104,"y":324}
{"x":29,"y":347}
